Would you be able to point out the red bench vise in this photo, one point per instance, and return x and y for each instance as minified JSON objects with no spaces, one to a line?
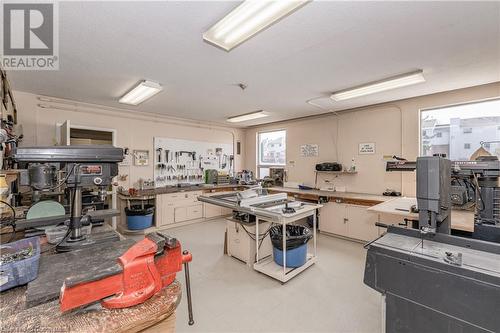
{"x":148,"y":266}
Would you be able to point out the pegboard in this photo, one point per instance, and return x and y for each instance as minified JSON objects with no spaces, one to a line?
{"x":185,"y":161}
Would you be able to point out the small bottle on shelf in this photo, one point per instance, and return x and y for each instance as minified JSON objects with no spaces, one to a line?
{"x":353,"y":166}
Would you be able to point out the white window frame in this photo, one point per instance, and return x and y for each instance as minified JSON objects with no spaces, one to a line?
{"x":443,"y":107}
{"x":257,"y":151}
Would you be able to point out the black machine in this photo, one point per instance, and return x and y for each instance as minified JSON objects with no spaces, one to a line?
{"x":329,"y":166}
{"x":473,"y":185}
{"x":430,"y":280}
{"x":478,"y":182}
{"x":83,"y":167}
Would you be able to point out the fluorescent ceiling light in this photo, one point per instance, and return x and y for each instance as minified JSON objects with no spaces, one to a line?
{"x":382,"y":85}
{"x":248,"y":19}
{"x":141,"y":92}
{"x":247,"y":116}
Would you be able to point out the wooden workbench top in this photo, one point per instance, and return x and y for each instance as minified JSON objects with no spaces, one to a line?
{"x":460,"y":219}
{"x":174,"y":189}
{"x":48,"y":318}
{"x":361,"y":198}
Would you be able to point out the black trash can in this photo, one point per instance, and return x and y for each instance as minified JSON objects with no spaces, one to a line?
{"x":139,"y":217}
{"x":297,"y":237}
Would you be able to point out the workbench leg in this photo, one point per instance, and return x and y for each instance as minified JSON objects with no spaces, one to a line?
{"x":314,"y":232}
{"x":284,"y":249}
{"x":256,"y":239}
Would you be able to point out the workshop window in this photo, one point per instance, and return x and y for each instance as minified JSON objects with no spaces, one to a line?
{"x":460,"y":130}
{"x":271,"y":151}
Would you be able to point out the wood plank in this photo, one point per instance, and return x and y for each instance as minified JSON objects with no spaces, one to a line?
{"x":48,"y":318}
{"x":56,"y":267}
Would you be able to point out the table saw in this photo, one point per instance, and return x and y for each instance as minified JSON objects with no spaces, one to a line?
{"x":274,"y":208}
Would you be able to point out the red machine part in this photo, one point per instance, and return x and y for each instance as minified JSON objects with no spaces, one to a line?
{"x":146,"y":268}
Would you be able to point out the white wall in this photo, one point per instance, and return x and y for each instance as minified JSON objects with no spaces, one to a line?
{"x":394,"y":127}
{"x":135,"y":130}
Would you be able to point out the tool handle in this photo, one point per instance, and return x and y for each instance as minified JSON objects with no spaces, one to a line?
{"x":186,"y":254}
{"x":382,"y":225}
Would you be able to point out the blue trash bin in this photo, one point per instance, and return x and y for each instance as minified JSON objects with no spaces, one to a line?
{"x":139,"y":217}
{"x":297,"y":237}
{"x":294,"y":258}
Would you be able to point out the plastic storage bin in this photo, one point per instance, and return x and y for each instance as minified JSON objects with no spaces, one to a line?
{"x":55,"y":234}
{"x":20,"y":272}
{"x":139,"y":217}
{"x":297,"y":237}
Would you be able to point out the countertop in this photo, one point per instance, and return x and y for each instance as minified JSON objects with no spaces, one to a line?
{"x":335,"y":195}
{"x":365,"y":197}
{"x":175,"y":189}
{"x":460,"y":219}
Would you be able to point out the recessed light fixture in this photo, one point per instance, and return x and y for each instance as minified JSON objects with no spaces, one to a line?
{"x":247,"y":116}
{"x":379,"y":86}
{"x":141,"y":92}
{"x":248,"y":19}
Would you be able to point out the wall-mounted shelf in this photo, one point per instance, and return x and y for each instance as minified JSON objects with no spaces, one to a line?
{"x":343,"y":172}
{"x":338,"y":172}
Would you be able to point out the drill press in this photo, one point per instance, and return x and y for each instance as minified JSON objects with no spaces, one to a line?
{"x":84,"y":166}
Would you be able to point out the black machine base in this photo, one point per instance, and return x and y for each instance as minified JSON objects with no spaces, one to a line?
{"x":487,"y":232}
{"x":403,"y":315}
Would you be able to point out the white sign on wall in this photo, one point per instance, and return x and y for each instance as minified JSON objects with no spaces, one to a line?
{"x":366,"y":148}
{"x":309,"y":150}
{"x":141,"y":157}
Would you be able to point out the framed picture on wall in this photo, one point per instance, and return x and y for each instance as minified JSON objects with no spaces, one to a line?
{"x":141,"y":157}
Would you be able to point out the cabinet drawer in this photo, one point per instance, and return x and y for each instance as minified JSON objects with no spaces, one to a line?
{"x":173,"y":196}
{"x":195,"y":194}
{"x":194,"y":212}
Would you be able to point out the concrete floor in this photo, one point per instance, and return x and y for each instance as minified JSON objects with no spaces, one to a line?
{"x":228,"y":296}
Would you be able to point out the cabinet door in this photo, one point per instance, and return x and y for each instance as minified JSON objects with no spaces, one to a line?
{"x":211,"y":210}
{"x":333,"y":219}
{"x":180,"y":214}
{"x":361,"y":223}
{"x":164,"y":210}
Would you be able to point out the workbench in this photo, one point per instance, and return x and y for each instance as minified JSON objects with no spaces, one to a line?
{"x":174,"y":206}
{"x":362,"y":199}
{"x":35,"y":307}
{"x":462,"y":220}
{"x":353,"y":215}
{"x":48,"y":318}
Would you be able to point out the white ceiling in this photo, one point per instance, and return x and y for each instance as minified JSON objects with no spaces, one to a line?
{"x":107,"y":47}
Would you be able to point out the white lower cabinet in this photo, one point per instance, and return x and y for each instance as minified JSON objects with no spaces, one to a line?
{"x":195,"y":212}
{"x":179,"y":207}
{"x":333,"y":218}
{"x":211,"y":211}
{"x":350,"y":221}
{"x":180,"y":214}
{"x":361,"y":223}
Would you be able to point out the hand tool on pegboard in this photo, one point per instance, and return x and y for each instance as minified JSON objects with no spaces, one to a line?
{"x":142,"y":271}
